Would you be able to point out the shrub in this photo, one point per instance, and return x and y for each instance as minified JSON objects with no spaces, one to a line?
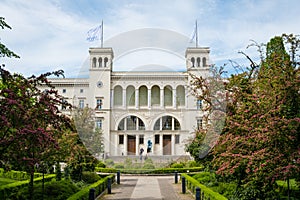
{"x":101,"y":164}
{"x":119,"y":166}
{"x":109,"y":162}
{"x":59,"y":190}
{"x":177,"y":165}
{"x":149,"y":166}
{"x":90,"y":177}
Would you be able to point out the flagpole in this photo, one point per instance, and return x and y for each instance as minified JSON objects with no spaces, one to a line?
{"x":102,"y":34}
{"x":196,"y":35}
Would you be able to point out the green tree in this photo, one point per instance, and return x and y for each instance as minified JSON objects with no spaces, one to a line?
{"x":4,"y":51}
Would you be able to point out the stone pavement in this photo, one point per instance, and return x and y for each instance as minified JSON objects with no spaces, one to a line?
{"x":147,"y":188}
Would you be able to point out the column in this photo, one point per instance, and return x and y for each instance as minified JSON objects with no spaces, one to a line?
{"x":161,"y":144}
{"x":125,"y":145}
{"x":173,"y":144}
{"x":116,"y":144}
{"x":137,"y":150}
{"x":186,"y":96}
{"x":111,"y":98}
{"x":174,"y":98}
{"x":161,"y":97}
{"x":137,"y":98}
{"x":124,"y":98}
{"x":149,"y":98}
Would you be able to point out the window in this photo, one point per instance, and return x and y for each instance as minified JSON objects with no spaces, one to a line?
{"x":64,"y":91}
{"x":141,"y":139}
{"x":132,"y":123}
{"x":156,"y":139}
{"x":99,"y":104}
{"x":199,"y":123}
{"x":121,"y":139}
{"x":177,"y":139}
{"x":63,"y":104}
{"x":199,"y":104}
{"x":167,"y":123}
{"x":99,"y":123}
{"x":81,"y":90}
{"x":81,"y":103}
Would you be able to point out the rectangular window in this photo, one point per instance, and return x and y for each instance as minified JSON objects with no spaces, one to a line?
{"x":199,"y":123}
{"x":63,"y":104}
{"x":99,"y":123}
{"x":177,"y":139}
{"x":141,"y":139}
{"x":121,"y":139}
{"x":199,"y":104}
{"x":81,"y":90}
{"x":64,"y":91}
{"x":156,"y":139}
{"x":99,"y":103}
{"x":81,"y":103}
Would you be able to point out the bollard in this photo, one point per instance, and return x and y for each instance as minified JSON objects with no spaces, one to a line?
{"x":109,"y":186}
{"x":92,"y":194}
{"x":183,"y":184}
{"x":198,"y":191}
{"x":118,"y":177}
{"x":176,"y":177}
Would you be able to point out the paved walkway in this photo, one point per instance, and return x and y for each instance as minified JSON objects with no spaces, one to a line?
{"x":147,"y":188}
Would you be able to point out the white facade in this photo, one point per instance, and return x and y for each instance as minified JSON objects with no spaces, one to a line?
{"x":136,"y":108}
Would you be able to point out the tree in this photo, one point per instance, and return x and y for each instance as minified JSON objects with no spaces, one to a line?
{"x":260,"y":142}
{"x":30,"y":122}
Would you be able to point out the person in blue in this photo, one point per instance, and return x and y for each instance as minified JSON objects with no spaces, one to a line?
{"x":149,"y":147}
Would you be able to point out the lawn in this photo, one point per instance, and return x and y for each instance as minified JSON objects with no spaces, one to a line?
{"x":4,"y":181}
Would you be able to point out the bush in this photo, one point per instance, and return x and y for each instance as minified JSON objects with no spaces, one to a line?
{"x":101,"y":164}
{"x":59,"y":190}
{"x":177,"y":165}
{"x":90,"y":177}
{"x":109,"y":162}
{"x":148,"y":166}
{"x":119,"y":166}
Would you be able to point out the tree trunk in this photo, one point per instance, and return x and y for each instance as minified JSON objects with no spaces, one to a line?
{"x":30,"y":187}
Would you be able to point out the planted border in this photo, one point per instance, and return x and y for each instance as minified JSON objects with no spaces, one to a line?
{"x":6,"y":190}
{"x":99,"y":186}
{"x":192,"y":184}
{"x":17,"y":175}
{"x":149,"y":171}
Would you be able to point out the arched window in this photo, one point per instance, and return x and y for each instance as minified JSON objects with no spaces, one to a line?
{"x":204,"y":62}
{"x":131,"y":123}
{"x":193,"y":61}
{"x":118,"y":96}
{"x":198,"y":62}
{"x":168,"y":95}
{"x":167,"y":123}
{"x":155,"y":95}
{"x":105,"y":62}
{"x":143,"y":96}
{"x":180,"y":96}
{"x":130,"y":96}
{"x":94,"y":62}
{"x":100,"y":62}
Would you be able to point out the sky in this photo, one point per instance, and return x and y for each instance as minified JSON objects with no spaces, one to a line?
{"x":51,"y":34}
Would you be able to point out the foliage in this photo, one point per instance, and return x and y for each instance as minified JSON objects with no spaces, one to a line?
{"x":59,"y":190}
{"x":100,"y":186}
{"x":109,"y":162}
{"x":192,"y":184}
{"x":4,"y":51}
{"x":90,"y":177}
{"x":177,"y":165}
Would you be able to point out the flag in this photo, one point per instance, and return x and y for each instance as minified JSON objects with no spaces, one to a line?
{"x":94,"y":34}
{"x":194,"y":34}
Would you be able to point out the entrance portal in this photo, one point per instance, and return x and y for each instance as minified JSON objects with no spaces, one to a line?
{"x":131,"y":145}
{"x":167,"y":145}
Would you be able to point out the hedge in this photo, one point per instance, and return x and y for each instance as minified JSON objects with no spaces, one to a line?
{"x":99,"y":186}
{"x":149,"y":171}
{"x":6,"y":190}
{"x":192,"y":184}
{"x":17,"y":175}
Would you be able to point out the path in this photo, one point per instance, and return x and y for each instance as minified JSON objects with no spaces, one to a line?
{"x":147,"y":188}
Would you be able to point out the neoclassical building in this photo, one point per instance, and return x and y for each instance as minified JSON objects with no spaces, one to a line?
{"x":139,"y":109}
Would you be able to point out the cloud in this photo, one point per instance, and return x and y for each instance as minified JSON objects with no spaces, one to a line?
{"x":51,"y":34}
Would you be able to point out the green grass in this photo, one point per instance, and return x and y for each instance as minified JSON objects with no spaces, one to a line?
{"x":4,"y":181}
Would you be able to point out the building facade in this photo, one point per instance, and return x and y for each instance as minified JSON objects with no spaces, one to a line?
{"x":139,"y":109}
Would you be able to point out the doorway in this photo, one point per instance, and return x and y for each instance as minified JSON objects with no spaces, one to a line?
{"x":131,"y":145}
{"x":167,"y":145}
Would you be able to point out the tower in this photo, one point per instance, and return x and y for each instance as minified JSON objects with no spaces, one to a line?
{"x":100,"y":86}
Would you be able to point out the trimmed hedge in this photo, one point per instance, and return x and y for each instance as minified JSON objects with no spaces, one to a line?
{"x":6,"y":190}
{"x":99,"y":186}
{"x":149,"y":171}
{"x":17,"y":175}
{"x":192,"y":184}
